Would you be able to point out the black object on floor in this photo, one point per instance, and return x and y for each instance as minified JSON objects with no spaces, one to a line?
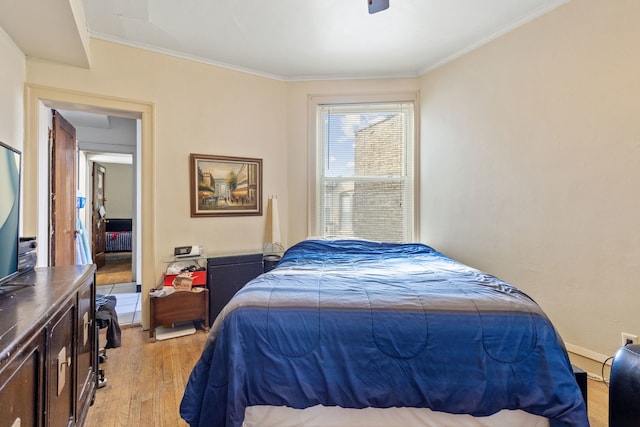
{"x":106,"y":317}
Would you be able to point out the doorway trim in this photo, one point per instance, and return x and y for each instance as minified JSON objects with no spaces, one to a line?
{"x":38,"y":100}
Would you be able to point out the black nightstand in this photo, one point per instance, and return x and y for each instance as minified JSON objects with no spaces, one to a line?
{"x":226,"y":275}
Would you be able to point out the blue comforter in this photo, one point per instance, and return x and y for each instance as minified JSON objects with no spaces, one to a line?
{"x":365,"y":324}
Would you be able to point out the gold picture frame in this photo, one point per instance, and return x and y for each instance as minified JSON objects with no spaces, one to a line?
{"x":225,"y":186}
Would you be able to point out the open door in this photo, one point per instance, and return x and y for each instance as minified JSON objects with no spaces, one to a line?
{"x":62,"y":204}
{"x":98,"y":213}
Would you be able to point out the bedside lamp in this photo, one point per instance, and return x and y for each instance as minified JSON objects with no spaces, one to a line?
{"x":272,"y":249}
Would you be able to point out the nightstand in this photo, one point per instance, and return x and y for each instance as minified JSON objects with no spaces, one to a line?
{"x":179,"y":306}
{"x":226,"y":275}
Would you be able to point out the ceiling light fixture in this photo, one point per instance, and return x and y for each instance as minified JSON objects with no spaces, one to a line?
{"x":378,"y":5}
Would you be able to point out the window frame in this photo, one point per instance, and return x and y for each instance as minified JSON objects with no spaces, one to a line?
{"x":315,"y":178}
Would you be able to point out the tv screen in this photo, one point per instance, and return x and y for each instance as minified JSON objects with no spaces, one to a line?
{"x":9,"y":211}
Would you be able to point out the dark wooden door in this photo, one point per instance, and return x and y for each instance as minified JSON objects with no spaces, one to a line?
{"x":62,"y":205}
{"x":98,"y":214}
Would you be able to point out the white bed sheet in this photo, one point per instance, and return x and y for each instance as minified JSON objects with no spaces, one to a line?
{"x":321,"y":416}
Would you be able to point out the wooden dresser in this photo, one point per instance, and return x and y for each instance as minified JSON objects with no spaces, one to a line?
{"x":48,"y":348}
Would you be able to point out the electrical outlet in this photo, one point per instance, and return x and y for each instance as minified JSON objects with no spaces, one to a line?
{"x":629,"y":339}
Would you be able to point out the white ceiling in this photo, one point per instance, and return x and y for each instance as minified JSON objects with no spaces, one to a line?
{"x":85,"y":119}
{"x":287,"y":40}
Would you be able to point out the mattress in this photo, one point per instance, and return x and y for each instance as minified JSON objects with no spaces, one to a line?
{"x":362,"y":325}
{"x":321,"y":416}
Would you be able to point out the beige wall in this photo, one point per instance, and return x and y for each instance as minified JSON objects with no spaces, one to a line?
{"x":531,"y":166}
{"x":196,"y":108}
{"x":118,"y":190}
{"x":12,"y":77}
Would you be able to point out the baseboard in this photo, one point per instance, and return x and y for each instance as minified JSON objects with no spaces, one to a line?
{"x":590,"y":361}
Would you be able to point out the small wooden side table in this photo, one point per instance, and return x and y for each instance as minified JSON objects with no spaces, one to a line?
{"x":179,"y":306}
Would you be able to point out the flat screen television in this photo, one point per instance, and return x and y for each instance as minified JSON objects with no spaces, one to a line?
{"x":10,"y":168}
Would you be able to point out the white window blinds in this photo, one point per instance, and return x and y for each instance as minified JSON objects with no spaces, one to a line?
{"x":365,"y":171}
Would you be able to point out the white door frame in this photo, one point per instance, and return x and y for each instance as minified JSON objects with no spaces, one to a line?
{"x":39,"y":101}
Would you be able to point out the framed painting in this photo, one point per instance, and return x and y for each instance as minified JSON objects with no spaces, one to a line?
{"x":225,"y":186}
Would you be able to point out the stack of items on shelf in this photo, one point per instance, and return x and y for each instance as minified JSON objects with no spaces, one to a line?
{"x":182,"y":275}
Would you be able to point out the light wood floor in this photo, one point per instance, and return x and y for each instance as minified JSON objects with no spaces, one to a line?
{"x":117,"y":269}
{"x":145,"y":382}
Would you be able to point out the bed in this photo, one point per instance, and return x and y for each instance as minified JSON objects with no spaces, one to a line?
{"x":361,"y":333}
{"x":118,"y":235}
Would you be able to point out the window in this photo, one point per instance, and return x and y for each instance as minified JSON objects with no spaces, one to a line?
{"x":364,"y":164}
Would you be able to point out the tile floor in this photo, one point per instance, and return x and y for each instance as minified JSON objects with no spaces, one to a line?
{"x":127,"y":302}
